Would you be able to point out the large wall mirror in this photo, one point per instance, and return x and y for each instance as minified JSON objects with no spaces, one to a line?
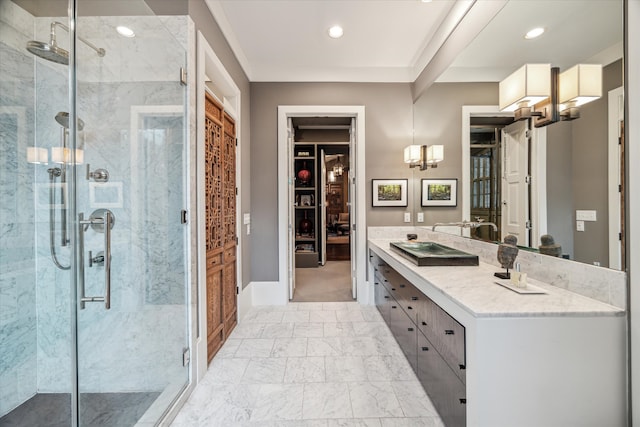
{"x":575,"y":166}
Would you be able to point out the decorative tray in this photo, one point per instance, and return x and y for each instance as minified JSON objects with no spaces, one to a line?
{"x":529,"y":290}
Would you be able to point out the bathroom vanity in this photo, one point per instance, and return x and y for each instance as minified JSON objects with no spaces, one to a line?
{"x":488,"y":356}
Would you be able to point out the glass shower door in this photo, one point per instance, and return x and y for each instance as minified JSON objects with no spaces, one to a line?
{"x":129,"y":195}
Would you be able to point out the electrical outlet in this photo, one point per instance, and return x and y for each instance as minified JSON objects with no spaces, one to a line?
{"x":407,"y":217}
{"x":420,"y":216}
{"x":579,"y":225}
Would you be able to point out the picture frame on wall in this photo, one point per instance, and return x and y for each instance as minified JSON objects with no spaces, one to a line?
{"x":389,"y":192}
{"x":439,"y":192}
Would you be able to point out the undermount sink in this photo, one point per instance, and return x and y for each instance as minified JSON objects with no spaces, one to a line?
{"x":433,"y":254}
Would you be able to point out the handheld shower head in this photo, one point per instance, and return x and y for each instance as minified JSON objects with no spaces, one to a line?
{"x":63,"y":119}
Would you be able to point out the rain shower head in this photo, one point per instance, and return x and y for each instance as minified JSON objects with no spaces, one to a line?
{"x":50,"y":52}
{"x":63,"y":118}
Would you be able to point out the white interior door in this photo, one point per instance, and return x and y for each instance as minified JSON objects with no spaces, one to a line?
{"x":322,"y":205}
{"x":351,"y":176}
{"x":291,"y":260}
{"x":515,"y":197}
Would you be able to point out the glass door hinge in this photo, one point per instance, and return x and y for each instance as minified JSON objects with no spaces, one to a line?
{"x":183,"y":76}
{"x":186,"y":356}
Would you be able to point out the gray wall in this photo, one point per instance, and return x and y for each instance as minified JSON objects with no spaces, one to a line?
{"x":388,"y":111}
{"x":438,"y":120}
{"x":205,"y":23}
{"x":560,"y":185}
{"x":590,"y":176}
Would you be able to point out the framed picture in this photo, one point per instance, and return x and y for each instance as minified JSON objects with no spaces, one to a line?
{"x":389,"y":192}
{"x":439,"y":192}
{"x":306,"y":200}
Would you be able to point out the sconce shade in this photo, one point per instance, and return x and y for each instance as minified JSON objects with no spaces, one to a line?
{"x":580,"y":84}
{"x":38,"y":156}
{"x":435,"y":154}
{"x":331,"y":177}
{"x":412,"y":154}
{"x":63,"y":155}
{"x":530,"y":84}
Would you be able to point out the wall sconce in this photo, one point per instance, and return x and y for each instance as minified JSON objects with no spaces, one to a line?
{"x":37,"y":156}
{"x":63,"y":155}
{"x":579,"y":85}
{"x":523,"y":89}
{"x":539,"y":91}
{"x":423,"y":156}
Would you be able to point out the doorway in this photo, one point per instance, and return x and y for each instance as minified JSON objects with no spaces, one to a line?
{"x":286,"y":197}
{"x":322,"y":254}
{"x":520,"y":153}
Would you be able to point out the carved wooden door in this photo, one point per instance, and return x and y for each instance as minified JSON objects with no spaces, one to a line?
{"x":220,"y":205}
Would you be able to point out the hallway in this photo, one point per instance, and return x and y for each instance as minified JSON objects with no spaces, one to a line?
{"x":309,"y":364}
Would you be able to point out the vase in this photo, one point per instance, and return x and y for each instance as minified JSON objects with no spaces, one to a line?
{"x":304,"y":174}
{"x":305,"y":225}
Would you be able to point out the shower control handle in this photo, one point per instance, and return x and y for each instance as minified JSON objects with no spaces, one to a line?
{"x":98,"y":175}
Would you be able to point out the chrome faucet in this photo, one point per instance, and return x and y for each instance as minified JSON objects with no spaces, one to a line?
{"x":465,"y":224}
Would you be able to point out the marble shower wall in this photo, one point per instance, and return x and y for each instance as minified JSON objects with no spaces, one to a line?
{"x":18,"y":334}
{"x":134,"y":113}
{"x":133,"y":108}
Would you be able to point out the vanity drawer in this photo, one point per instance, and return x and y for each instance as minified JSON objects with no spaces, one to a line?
{"x":445,"y":333}
{"x":410,"y":298}
{"x":441,"y":383}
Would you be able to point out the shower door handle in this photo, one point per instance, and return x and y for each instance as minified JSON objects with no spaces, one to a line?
{"x":101,"y":221}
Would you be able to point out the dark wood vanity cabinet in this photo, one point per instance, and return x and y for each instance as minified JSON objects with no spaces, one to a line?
{"x":432,"y":341}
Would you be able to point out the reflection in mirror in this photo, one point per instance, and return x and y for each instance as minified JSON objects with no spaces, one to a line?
{"x":572,"y":168}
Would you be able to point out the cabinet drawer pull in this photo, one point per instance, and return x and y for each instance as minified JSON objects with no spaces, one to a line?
{"x":424,"y":323}
{"x":393,"y":306}
{"x":425,"y":348}
{"x":385,"y":280}
{"x":402,"y":286}
{"x":393,"y":289}
{"x":448,"y":332}
{"x":380,"y":265}
{"x":462,"y":367}
{"x":414,"y":298}
{"x":386,"y":296}
{"x":463,"y":401}
{"x":410,"y":329}
{"x":409,"y":307}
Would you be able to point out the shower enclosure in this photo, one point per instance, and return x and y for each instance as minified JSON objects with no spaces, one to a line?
{"x":93,"y":183}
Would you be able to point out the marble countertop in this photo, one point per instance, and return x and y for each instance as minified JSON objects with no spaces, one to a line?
{"x":474,"y":290}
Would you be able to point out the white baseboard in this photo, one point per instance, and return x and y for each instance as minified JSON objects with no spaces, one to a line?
{"x":268,"y":293}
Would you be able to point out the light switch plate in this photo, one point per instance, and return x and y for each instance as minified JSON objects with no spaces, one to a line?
{"x":420,"y":216}
{"x":407,"y":217}
{"x":579,"y":225}
{"x":586,"y":215}
{"x":246,"y":218}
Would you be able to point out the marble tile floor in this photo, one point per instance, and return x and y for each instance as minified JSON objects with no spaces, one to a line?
{"x":96,"y":410}
{"x":309,"y":364}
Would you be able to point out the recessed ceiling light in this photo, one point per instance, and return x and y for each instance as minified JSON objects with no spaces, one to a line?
{"x":336,"y":32}
{"x":426,"y":1}
{"x":532,"y":34}
{"x":125,"y":31}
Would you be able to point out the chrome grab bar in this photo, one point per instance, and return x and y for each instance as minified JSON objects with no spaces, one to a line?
{"x":101,"y":220}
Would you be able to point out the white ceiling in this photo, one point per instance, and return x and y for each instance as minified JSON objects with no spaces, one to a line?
{"x":394,"y":40}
